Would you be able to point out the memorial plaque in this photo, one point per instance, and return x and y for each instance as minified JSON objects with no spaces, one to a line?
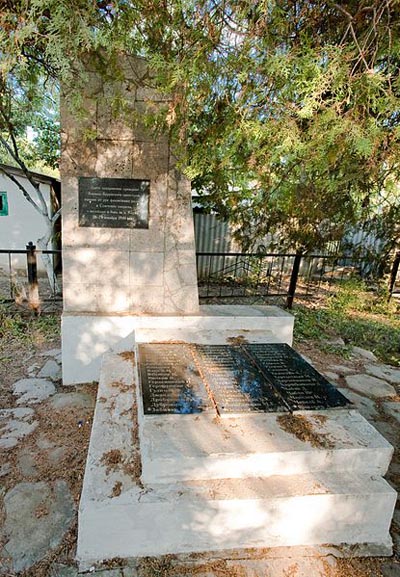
{"x":170,"y":380}
{"x":300,"y":384}
{"x":236,"y":383}
{"x":242,"y":378}
{"x":114,"y":202}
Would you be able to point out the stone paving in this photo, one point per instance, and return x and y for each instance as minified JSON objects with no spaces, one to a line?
{"x":37,"y":513}
{"x":15,"y":424}
{"x":37,"y":517}
{"x":31,"y":391}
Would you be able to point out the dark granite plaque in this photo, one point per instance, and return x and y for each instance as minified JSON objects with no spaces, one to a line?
{"x":236,"y":383}
{"x":114,"y":202}
{"x":241,"y":378}
{"x":300,"y":384}
{"x":170,"y":380}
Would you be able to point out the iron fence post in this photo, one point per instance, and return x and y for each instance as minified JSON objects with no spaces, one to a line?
{"x":33,"y":287}
{"x":393,"y":273}
{"x":293,"y":281}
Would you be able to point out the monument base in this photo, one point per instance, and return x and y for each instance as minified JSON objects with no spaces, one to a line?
{"x":179,"y":484}
{"x":86,"y":337}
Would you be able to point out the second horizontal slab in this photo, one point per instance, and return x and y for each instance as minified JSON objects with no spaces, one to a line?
{"x":186,"y":447}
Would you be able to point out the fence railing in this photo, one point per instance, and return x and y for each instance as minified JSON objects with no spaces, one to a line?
{"x":25,"y":284}
{"x":274,"y":276}
{"x":394,"y":283}
{"x":233,"y":275}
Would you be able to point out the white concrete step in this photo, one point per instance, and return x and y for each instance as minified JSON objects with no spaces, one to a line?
{"x":121,"y":515}
{"x":82,"y":359}
{"x":300,"y":510}
{"x":184,"y":447}
{"x":203,"y":336}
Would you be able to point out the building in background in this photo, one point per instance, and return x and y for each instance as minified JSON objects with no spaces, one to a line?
{"x":20,"y":223}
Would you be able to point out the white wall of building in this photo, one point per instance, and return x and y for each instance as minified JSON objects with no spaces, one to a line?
{"x":23,"y":223}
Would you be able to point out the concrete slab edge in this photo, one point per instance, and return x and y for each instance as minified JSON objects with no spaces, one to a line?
{"x":341,"y":551}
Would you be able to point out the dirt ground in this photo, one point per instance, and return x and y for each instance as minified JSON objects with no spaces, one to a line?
{"x":70,"y":428}
{"x":67,"y":429}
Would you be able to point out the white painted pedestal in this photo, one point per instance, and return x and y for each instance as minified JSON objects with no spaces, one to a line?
{"x":227,"y":484}
{"x":85,"y":338}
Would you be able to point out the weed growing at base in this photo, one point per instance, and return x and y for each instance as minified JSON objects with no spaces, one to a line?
{"x":26,"y":328}
{"x":356,"y":313}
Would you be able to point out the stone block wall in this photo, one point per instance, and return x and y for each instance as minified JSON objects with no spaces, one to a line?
{"x":120,"y":270}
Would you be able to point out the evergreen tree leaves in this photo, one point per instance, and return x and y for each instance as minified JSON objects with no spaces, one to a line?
{"x":285,"y":113}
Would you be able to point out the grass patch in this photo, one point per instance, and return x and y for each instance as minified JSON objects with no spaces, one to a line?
{"x":357,"y":314}
{"x":27,"y":329}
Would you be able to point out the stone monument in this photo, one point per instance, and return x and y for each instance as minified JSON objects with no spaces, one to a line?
{"x":127,"y":229}
{"x":197,"y":440}
{"x":128,"y":238}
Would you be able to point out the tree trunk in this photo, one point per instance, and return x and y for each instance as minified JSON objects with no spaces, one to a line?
{"x":43,"y":243}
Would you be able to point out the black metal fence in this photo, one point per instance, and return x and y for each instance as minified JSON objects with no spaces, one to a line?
{"x":20,"y":281}
{"x":268,"y":277}
{"x":394,"y":283}
{"x":280,"y":277}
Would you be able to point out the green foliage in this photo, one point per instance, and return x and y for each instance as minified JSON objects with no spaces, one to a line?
{"x":284,"y":114}
{"x":29,"y":120}
{"x":27,"y":329}
{"x":355,"y":295}
{"x":311,"y":324}
{"x":352,"y":295}
{"x":360,"y":316}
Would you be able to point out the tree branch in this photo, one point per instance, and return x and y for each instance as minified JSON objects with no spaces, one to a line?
{"x":343,"y":10}
{"x":10,"y":129}
{"x":24,"y":191}
{"x":56,"y":216}
{"x":350,"y":17}
{"x":44,"y":210}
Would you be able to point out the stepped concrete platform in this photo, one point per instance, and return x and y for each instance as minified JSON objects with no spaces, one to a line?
{"x":271,"y":488}
{"x":298,"y":510}
{"x":86,"y":337}
{"x":178,"y":447}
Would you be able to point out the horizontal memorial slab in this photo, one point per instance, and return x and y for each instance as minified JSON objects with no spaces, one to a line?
{"x":302,"y":386}
{"x":241,"y":378}
{"x":170,"y":380}
{"x":237,"y":384}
